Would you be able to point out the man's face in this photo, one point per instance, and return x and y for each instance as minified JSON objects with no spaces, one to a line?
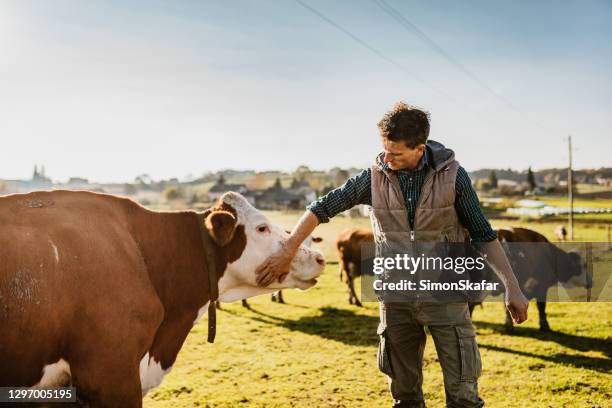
{"x":398,"y":156}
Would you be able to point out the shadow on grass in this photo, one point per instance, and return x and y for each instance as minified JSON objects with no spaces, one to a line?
{"x":602,"y":365}
{"x":354,"y":329}
{"x":336,"y":324}
{"x":572,"y":341}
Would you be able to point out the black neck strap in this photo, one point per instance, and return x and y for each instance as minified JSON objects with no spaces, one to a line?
{"x":213,"y":285}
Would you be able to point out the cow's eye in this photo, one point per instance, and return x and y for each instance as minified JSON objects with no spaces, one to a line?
{"x":263,"y":228}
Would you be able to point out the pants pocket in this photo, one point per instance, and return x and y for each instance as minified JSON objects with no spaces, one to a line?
{"x":383,"y":356}
{"x":471,"y":364}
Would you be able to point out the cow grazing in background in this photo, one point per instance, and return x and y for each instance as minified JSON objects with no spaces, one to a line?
{"x":538,"y":267}
{"x":561,"y":233}
{"x":100,"y":292}
{"x":349,"y":244}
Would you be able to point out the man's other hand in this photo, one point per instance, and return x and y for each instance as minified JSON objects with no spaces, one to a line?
{"x":275,"y":267}
{"x":517,"y":305}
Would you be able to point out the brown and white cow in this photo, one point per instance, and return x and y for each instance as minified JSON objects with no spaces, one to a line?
{"x":349,"y":244}
{"x":97,"y":291}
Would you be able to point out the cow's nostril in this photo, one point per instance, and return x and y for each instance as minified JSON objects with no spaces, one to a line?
{"x":320,"y":260}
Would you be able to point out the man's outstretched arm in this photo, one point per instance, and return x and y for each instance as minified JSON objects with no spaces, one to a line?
{"x":516,"y":303}
{"x":355,"y":191}
{"x":485,"y":238}
{"x":277,"y":265}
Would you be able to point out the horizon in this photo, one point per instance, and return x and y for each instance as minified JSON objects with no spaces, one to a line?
{"x":192,"y":177}
{"x":103,"y":89}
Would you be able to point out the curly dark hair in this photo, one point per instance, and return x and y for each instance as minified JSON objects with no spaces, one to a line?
{"x":407,"y":123}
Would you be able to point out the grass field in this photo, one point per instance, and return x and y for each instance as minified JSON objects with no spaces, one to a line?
{"x":318,"y":351}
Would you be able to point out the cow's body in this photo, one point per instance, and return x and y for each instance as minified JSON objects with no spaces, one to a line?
{"x":101,"y":292}
{"x":349,"y":244}
{"x":538,"y":266}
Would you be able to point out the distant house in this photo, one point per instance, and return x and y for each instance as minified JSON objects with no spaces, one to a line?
{"x":222,"y":187}
{"x":307,"y":192}
{"x":603,"y":181}
{"x":279,"y":198}
{"x":77,"y":183}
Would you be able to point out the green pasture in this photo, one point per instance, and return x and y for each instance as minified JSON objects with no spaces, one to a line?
{"x":319,"y":351}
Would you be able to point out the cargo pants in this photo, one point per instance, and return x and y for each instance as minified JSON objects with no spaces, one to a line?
{"x":402,"y":342}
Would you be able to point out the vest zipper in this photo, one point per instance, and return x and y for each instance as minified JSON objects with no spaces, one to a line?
{"x":418,"y":204}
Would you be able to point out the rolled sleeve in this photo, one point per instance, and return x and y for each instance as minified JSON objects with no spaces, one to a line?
{"x":469,"y":211}
{"x":356,"y":190}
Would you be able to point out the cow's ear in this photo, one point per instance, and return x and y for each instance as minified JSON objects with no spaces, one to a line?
{"x":221,"y":226}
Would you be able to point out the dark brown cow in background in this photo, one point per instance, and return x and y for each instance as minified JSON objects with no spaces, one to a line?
{"x":537,"y":268}
{"x":349,"y":244}
{"x":100,"y":292}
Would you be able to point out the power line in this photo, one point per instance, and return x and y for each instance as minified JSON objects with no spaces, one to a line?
{"x":397,"y":16}
{"x":377,"y":52}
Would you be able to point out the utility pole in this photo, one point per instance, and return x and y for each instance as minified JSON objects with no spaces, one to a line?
{"x":570,"y":187}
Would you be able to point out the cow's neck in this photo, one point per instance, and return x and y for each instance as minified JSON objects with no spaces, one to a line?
{"x":172,"y":250}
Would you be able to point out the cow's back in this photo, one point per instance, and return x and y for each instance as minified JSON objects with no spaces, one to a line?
{"x":63,"y":256}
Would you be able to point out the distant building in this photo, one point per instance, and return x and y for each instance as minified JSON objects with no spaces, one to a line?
{"x":603,"y":181}
{"x":222,"y":187}
{"x":77,"y":183}
{"x":279,"y":198}
{"x":39,"y":181}
{"x":305,"y":191}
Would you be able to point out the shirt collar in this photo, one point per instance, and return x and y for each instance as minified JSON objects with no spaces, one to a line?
{"x":420,"y":166}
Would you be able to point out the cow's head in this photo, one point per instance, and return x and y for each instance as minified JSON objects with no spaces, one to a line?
{"x":247,"y":239}
{"x":572,"y":270}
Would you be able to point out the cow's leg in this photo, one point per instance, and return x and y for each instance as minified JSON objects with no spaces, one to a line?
{"x":509,"y":323}
{"x":353,"y":295}
{"x":245,"y":304}
{"x":105,"y":364}
{"x":471,"y":305}
{"x":542,"y":313}
{"x":280,"y":297}
{"x":218,"y":304}
{"x":273,"y":297}
{"x":99,"y":389}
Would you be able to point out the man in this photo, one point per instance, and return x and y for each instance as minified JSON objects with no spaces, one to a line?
{"x":418,"y":192}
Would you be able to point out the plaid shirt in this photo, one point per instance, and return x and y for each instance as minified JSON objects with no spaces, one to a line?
{"x":358,"y":190}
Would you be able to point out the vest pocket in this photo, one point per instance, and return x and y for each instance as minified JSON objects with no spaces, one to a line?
{"x":383,"y":357}
{"x":469,"y":356}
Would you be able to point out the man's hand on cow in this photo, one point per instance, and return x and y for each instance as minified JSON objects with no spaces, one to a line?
{"x":517,"y":305}
{"x":275,"y":267}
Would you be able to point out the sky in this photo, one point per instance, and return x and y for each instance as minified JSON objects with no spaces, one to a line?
{"x":108,"y":90}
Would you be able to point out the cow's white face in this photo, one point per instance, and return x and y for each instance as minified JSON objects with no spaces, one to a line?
{"x":262,"y":240}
